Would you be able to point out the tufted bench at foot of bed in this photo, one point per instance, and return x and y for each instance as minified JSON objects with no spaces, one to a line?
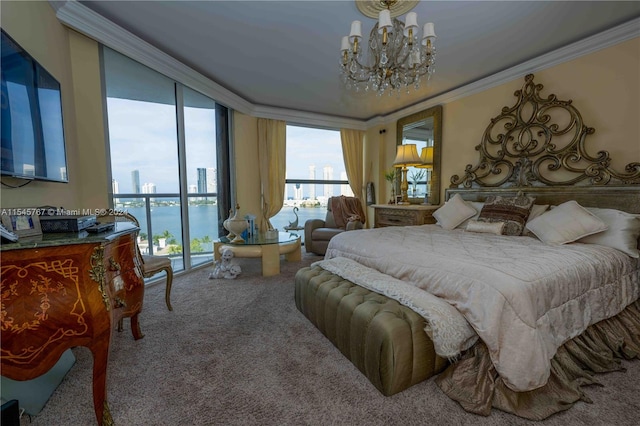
{"x":383,"y":338}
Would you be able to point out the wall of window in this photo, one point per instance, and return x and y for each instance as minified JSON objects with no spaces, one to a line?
{"x":315,"y":172}
{"x":163,"y":161}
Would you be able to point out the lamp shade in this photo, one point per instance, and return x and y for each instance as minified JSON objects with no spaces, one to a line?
{"x":428,"y":31}
{"x":427,"y":156}
{"x":345,"y":44}
{"x":411,"y":23}
{"x":356,"y":31}
{"x":384,"y":21}
{"x":407,"y":155}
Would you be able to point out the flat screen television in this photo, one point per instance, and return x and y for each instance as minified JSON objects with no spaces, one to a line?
{"x":33,"y":144}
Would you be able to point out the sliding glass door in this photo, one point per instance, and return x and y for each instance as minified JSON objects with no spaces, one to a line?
{"x":162,"y":149}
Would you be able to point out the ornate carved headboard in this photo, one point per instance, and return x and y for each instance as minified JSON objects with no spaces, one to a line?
{"x":538,"y":146}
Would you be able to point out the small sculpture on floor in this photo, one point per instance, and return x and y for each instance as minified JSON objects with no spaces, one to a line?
{"x":225,"y":267}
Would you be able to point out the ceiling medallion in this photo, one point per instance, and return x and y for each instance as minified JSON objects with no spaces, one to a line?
{"x":372,"y":8}
{"x":397,"y":57}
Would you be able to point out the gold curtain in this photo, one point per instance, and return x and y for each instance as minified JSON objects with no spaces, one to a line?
{"x":353,"y":153}
{"x":272,"y":136}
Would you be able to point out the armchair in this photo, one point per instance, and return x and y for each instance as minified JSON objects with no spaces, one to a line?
{"x":318,"y":232}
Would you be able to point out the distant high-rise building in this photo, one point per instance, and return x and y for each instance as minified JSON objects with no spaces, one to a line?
{"x":297,"y":192}
{"x":327,"y":172}
{"x":312,"y":186}
{"x":115,"y":187}
{"x":212,"y":180}
{"x":135,"y":181}
{"x":345,"y":189}
{"x":192,"y":189}
{"x":149,"y":188}
{"x":202,"y":180}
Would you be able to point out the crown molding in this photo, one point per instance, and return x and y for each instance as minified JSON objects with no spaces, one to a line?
{"x":79,"y":17}
{"x":84,"y":20}
{"x":608,"y":38}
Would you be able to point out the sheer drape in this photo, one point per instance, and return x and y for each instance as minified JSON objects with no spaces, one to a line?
{"x":272,"y":136}
{"x":353,"y":153}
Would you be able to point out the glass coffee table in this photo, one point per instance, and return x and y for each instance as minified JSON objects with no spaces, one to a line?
{"x":268,"y":249}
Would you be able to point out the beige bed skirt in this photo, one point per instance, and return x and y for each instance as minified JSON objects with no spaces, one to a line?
{"x":474,"y":383}
{"x":385,"y":340}
{"x":388,"y":344}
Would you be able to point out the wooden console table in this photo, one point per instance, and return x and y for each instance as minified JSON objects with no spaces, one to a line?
{"x":64,"y":290}
{"x":403,"y":214}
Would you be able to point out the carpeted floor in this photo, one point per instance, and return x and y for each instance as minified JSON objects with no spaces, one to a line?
{"x":238,"y":352}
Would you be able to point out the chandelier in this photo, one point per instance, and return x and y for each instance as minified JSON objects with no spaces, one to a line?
{"x":398,"y":58}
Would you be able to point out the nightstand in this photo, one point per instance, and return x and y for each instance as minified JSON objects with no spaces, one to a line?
{"x":403,"y":214}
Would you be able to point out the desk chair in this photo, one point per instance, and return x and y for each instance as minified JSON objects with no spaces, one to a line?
{"x":151,"y":265}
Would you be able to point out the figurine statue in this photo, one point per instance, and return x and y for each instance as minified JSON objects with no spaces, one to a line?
{"x":293,"y":226}
{"x":225,"y":267}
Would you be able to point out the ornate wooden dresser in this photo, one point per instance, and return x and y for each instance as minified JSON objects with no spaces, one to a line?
{"x":64,"y":290}
{"x":403,"y":214}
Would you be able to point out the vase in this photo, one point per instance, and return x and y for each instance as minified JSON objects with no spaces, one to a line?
{"x":236,"y":226}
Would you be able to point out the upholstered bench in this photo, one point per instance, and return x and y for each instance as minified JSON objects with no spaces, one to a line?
{"x":385,"y":340}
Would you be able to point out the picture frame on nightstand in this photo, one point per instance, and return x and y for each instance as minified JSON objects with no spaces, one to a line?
{"x":23,"y":224}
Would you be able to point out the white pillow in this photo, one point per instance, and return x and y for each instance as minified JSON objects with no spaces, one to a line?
{"x":453,"y":213}
{"x":536,"y":210}
{"x":623,"y":232}
{"x":485,"y":227}
{"x":477,"y":205}
{"x":566,"y":223}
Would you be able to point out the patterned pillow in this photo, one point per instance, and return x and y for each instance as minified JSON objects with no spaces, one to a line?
{"x":513,"y":211}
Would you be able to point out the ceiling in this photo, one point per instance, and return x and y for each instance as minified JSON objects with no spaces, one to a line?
{"x":285,"y":54}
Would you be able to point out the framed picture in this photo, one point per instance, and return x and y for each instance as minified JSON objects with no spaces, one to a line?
{"x":24,"y":224}
{"x":398,"y":199}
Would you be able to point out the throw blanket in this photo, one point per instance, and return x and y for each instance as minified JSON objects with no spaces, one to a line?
{"x":523,"y":298}
{"x":450,"y":332}
{"x":346,"y":209}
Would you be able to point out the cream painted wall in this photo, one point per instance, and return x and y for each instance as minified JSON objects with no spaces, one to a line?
{"x":90,"y":130}
{"x":604,"y":87}
{"x":35,"y":27}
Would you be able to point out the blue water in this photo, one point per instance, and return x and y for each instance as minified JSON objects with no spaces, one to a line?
{"x":203,"y":220}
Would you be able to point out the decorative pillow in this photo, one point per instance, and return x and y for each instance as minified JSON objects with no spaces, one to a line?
{"x":566,"y":223}
{"x":485,"y":227}
{"x":513,"y":211}
{"x":453,"y":213}
{"x":536,"y":211}
{"x":623,"y":232}
{"x":477,"y":206}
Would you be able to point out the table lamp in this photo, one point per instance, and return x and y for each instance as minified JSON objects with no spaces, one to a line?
{"x":426,"y":155}
{"x":407,"y":155}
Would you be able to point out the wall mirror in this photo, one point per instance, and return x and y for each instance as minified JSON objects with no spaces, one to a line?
{"x":424,"y":129}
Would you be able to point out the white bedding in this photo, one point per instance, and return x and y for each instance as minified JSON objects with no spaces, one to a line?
{"x":523,"y":298}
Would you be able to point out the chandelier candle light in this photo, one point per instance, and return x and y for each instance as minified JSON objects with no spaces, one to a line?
{"x":407,"y":155}
{"x":398,"y":58}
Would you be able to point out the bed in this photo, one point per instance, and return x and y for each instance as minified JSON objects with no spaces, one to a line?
{"x":528,"y":284}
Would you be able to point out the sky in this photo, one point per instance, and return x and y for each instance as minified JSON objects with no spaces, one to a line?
{"x":143,"y":137}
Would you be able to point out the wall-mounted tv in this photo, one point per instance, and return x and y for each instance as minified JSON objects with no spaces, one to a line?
{"x":33,"y":145}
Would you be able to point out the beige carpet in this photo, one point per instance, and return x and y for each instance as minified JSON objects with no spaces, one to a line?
{"x":238,"y":352}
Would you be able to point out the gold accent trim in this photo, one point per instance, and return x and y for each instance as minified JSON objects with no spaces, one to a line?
{"x":371,"y":8}
{"x":97,"y":273}
{"x":531,"y":148}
